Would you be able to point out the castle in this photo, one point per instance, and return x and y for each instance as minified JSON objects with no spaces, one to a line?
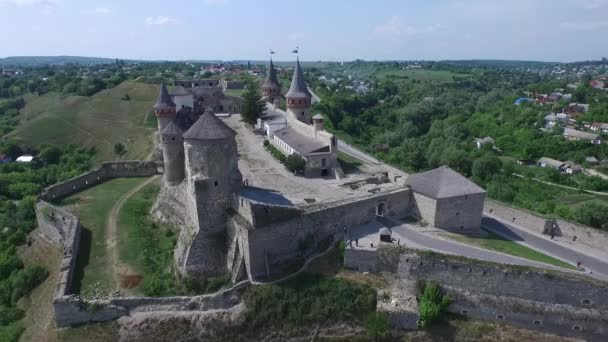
{"x":256,"y":233}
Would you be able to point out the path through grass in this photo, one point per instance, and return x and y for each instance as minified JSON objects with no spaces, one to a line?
{"x":497,"y":243}
{"x":92,"y":206}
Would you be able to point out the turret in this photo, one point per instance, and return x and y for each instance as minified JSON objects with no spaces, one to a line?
{"x":271,"y":87}
{"x":172,"y":146}
{"x":164,"y":108}
{"x":212,"y":169}
{"x":298,"y":96}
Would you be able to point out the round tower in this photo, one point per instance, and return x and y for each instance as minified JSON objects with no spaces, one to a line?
{"x":317,"y":122}
{"x":172,"y":145}
{"x":164,"y":108}
{"x":298,"y":96}
{"x":271,"y":88}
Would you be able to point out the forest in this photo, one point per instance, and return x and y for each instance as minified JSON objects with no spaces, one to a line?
{"x":420,"y":125}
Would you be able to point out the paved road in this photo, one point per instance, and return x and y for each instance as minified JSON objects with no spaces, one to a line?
{"x":542,"y":244}
{"x":408,"y":233}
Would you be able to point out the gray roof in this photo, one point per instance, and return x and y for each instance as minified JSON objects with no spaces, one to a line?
{"x":385,"y":231}
{"x":172,"y":129}
{"x":164,"y":100}
{"x":180,"y":91}
{"x":209,"y":127}
{"x":318,"y":117}
{"x":271,"y":80}
{"x":303,"y":145}
{"x":442,"y":182}
{"x":551,"y":162}
{"x":298,"y":87}
{"x":580,"y":134}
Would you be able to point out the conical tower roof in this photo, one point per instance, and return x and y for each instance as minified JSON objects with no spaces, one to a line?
{"x":271,"y":80}
{"x":164,"y":100}
{"x":298,"y":87}
{"x":172,"y":129}
{"x":209,"y":127}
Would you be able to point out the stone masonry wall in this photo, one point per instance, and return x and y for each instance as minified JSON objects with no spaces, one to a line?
{"x":277,"y":243}
{"x":563,"y":303}
{"x":591,"y":237}
{"x":63,"y":228}
{"x":105,"y":172}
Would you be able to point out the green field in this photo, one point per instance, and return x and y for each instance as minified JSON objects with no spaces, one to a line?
{"x":140,"y":240}
{"x":101,"y":120}
{"x":92,"y":206}
{"x":497,"y":243}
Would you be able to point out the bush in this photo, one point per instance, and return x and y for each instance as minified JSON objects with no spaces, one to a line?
{"x":377,"y":325}
{"x":266,"y":142}
{"x":10,"y":314}
{"x":275,"y":153}
{"x":120,"y":149}
{"x":295,"y":163}
{"x":308,"y":298}
{"x":431,"y":304}
{"x":11,"y":333}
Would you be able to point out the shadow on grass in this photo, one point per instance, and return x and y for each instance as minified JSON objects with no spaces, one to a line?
{"x":350,"y":165}
{"x":82,"y":260}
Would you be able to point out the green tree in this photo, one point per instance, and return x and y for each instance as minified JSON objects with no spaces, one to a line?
{"x":485,"y":167}
{"x":377,"y":325}
{"x":295,"y":163}
{"x":252,"y":106}
{"x":120,"y":149}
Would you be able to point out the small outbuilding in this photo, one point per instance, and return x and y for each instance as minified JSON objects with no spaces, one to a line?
{"x":447,"y":200}
{"x":385,"y":235}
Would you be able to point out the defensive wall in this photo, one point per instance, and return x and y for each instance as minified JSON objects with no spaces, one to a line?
{"x":591,"y":237}
{"x":272,"y":244}
{"x":63,"y":228}
{"x":106,"y":171}
{"x":559,"y":303}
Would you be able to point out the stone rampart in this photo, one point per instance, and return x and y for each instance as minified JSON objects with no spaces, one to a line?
{"x":275,"y":244}
{"x":63,"y":228}
{"x":555,"y":302}
{"x":105,"y":172}
{"x":536,"y":223}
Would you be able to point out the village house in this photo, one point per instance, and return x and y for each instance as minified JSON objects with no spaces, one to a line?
{"x":552,"y":163}
{"x":559,"y":118}
{"x":592,"y":160}
{"x":480,"y":142}
{"x":576,"y":135}
{"x":571,"y":168}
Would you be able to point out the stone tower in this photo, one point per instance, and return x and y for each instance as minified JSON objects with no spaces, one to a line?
{"x":298,"y":96}
{"x":212,"y":178}
{"x":164,"y":108}
{"x":172,"y":146}
{"x":271,"y":87}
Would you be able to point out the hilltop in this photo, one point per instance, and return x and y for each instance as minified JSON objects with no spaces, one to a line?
{"x":101,"y":120}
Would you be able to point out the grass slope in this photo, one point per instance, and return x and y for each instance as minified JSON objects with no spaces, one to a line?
{"x":101,"y":120}
{"x":143,"y":244}
{"x":93,"y":206}
{"x":497,"y":243}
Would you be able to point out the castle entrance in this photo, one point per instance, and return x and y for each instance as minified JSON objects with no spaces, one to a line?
{"x":380,"y":209}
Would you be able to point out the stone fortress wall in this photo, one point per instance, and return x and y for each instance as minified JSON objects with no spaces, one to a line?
{"x":535,"y":223}
{"x":559,"y":303}
{"x":272,"y":244}
{"x":105,"y":172}
{"x":64,"y":228}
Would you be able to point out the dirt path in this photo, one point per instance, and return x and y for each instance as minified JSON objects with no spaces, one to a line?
{"x":120,"y":270}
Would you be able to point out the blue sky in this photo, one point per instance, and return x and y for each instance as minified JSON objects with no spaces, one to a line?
{"x":550,"y":30}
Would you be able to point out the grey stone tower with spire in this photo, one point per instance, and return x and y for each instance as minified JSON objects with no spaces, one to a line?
{"x":172,"y":145}
{"x":298,"y":96}
{"x":212,"y":178}
{"x":271,"y":88}
{"x":164,"y":108}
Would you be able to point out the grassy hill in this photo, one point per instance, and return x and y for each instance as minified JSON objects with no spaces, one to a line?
{"x":101,"y":120}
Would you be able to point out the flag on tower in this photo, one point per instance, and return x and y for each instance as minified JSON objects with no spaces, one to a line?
{"x":272,"y":52}
{"x":296,"y":50}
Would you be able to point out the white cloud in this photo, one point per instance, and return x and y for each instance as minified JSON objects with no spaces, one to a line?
{"x":102,"y":10}
{"x":40,"y":3}
{"x":159,"y":20}
{"x":394,"y":29}
{"x":586,"y":26}
{"x":215,"y":2}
